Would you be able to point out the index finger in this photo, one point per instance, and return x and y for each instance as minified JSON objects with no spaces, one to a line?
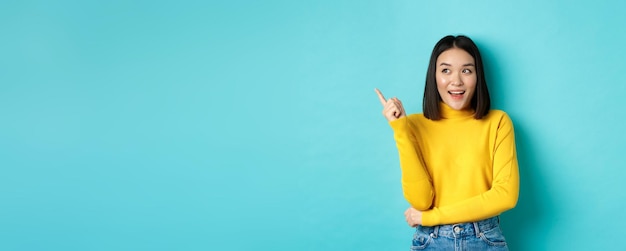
{"x":383,"y":101}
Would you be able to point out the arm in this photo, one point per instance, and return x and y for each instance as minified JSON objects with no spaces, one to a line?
{"x":416,"y":183}
{"x":504,"y":187}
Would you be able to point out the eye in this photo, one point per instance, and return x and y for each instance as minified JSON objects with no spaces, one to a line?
{"x":445,"y":70}
{"x":467,"y":71}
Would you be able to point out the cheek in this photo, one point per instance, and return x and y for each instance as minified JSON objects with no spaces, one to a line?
{"x":441,"y":86}
{"x":442,"y":82}
{"x":440,"y":78}
{"x":470,"y":82}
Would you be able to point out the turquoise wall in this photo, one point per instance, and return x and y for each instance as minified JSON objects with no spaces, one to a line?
{"x":237,"y":125}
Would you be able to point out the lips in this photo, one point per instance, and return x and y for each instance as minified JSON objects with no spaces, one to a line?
{"x":456,"y":92}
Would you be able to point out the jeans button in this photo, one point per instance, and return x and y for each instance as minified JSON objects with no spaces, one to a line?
{"x":457,"y":229}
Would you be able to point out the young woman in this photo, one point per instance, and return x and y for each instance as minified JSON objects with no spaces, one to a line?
{"x":458,"y":160}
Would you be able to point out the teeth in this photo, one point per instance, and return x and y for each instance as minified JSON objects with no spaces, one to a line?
{"x":456,"y":92}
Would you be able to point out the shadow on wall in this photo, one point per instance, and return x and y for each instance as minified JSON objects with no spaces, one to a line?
{"x":534,"y":207}
{"x":533,"y":210}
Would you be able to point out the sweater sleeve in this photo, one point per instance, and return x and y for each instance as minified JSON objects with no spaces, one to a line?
{"x":416,"y":182}
{"x":503,"y":193}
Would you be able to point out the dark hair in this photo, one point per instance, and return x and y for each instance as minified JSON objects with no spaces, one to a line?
{"x":481,"y":103}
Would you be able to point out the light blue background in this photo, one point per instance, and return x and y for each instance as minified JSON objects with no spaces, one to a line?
{"x":253,"y":125}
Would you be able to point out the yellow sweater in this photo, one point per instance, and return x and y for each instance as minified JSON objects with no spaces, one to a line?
{"x":458,"y":169}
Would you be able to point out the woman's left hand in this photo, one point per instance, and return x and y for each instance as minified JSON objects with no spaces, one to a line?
{"x":413,"y":217}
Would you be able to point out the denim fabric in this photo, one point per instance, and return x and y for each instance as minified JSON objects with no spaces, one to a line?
{"x":481,"y":235}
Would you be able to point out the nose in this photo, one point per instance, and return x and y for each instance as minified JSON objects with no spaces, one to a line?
{"x":456,"y":80}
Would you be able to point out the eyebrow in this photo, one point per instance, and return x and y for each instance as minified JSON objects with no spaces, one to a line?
{"x":446,"y":64}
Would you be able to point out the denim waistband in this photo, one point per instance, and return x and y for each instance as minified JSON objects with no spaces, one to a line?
{"x":462,"y":229}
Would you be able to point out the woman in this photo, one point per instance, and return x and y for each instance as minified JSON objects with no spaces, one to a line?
{"x":458,"y":159}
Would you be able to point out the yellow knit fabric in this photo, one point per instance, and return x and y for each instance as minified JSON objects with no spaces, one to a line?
{"x":458,"y":169}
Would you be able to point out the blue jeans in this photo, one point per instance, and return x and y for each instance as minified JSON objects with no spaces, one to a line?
{"x":481,"y":235}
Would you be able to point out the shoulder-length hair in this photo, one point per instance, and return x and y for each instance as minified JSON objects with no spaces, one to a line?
{"x":481,"y":103}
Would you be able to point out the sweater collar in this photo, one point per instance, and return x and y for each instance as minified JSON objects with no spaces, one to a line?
{"x":448,"y":113}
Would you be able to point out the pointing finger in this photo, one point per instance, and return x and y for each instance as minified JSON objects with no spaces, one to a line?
{"x":383,"y":101}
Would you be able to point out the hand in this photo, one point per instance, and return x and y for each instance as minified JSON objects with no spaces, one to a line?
{"x":392,"y":108}
{"x":413,"y":217}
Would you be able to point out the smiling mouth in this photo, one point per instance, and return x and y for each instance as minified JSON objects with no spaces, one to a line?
{"x":456,"y":92}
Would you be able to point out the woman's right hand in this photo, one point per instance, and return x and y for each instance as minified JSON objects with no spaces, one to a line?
{"x":392,"y":108}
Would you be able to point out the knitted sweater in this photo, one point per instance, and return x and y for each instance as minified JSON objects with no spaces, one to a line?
{"x":458,"y":169}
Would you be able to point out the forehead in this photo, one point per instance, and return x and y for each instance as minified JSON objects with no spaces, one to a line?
{"x":455,"y":56}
